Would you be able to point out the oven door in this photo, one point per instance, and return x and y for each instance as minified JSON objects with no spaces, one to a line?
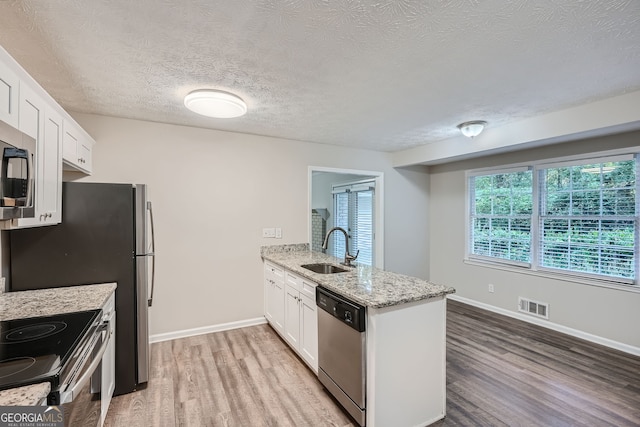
{"x":81,"y":406}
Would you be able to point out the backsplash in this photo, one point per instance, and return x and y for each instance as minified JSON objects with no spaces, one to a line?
{"x":279,"y":249}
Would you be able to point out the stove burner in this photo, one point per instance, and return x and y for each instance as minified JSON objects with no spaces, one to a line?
{"x":33,"y":332}
{"x":15,"y":366}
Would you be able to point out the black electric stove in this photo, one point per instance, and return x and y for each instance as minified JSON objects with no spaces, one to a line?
{"x":39,"y":349}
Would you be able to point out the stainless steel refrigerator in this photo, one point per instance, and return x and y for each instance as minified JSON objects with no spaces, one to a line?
{"x":106,"y":235}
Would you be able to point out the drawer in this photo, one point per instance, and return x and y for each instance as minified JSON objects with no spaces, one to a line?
{"x":274,"y":272}
{"x":293,"y":281}
{"x":308,"y":288}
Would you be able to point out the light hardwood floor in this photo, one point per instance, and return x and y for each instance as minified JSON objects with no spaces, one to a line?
{"x":243,"y":377}
{"x":500,"y":372}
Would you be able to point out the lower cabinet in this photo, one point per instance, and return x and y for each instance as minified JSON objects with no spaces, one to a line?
{"x":300,"y":322}
{"x":274,"y":296}
{"x":109,"y":368}
{"x":309,"y":332}
{"x":105,"y":382}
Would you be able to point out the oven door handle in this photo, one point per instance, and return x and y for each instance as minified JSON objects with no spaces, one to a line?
{"x":69,"y":395}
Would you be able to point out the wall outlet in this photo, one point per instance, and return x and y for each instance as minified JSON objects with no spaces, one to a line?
{"x":491,"y":289}
{"x":269,"y":233}
{"x":278,"y":233}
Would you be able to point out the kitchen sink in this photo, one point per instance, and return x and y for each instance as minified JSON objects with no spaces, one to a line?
{"x":324,"y":268}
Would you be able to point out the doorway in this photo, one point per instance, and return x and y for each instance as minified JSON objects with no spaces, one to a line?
{"x":355,"y":190}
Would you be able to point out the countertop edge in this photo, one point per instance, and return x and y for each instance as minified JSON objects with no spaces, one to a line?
{"x":51,"y":301}
{"x":29,"y":395}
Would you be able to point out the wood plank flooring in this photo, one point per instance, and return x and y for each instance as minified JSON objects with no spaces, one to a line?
{"x":505,"y":372}
{"x":500,"y":372}
{"x":243,"y":377}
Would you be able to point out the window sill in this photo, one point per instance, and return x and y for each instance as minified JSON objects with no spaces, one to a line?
{"x":554,"y":276}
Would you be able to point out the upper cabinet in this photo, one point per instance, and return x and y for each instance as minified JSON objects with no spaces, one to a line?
{"x":77,"y":148}
{"x":40,"y":121}
{"x":9,"y":83}
{"x":26,"y":106}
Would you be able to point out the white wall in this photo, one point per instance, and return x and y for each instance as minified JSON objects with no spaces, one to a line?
{"x":213,"y":192}
{"x":608,"y":313}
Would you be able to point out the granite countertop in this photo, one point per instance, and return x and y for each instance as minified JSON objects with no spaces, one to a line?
{"x":47,"y":302}
{"x":363,"y":284}
{"x":30,"y":395}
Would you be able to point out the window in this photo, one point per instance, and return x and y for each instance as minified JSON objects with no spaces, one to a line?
{"x":353,"y":210}
{"x":501,"y":207}
{"x":588,"y":218}
{"x":576,"y":217}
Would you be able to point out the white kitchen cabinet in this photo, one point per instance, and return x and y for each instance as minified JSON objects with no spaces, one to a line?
{"x":290,"y":307}
{"x":301,"y":321}
{"x":9,"y":93}
{"x":25,"y":105}
{"x":108,"y":368}
{"x":40,"y":121}
{"x":274,"y":308}
{"x":292,"y":316}
{"x":309,"y":331}
{"x":77,"y":148}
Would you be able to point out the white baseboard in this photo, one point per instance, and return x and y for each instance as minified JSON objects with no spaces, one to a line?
{"x":206,"y":330}
{"x":550,"y":325}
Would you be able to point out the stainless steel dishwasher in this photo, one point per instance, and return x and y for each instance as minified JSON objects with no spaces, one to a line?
{"x":342,"y":351}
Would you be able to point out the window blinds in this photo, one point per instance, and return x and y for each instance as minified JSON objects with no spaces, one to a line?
{"x":353,"y":210}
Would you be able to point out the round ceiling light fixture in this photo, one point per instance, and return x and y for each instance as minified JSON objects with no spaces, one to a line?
{"x":472,"y":128}
{"x":215,"y":103}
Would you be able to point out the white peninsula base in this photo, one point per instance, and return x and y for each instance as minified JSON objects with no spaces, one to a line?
{"x":406,"y":363}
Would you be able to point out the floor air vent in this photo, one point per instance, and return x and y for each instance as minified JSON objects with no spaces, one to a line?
{"x":534,"y":308}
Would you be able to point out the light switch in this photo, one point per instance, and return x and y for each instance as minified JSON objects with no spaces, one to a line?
{"x":278,"y":233}
{"x":269,"y":233}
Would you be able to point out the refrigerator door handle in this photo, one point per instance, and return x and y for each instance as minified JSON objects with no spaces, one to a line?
{"x":152,"y":254}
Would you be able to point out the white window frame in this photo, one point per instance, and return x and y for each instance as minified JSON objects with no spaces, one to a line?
{"x":534,"y":268}
{"x":538,"y":231}
{"x":469,"y":229}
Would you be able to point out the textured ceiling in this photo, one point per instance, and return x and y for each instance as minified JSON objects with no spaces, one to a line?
{"x":385,"y":75}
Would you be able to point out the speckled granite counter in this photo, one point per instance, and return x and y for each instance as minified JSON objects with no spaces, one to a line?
{"x":47,"y":302}
{"x":29,"y":395}
{"x":366,"y":285}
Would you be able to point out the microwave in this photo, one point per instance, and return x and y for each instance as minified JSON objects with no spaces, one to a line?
{"x":17,"y":151}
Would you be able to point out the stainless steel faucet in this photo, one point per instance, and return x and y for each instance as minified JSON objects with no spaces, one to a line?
{"x":347,"y":256}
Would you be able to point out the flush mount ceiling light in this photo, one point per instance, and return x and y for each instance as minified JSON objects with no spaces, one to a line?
{"x":472,"y":128}
{"x":215,"y":103}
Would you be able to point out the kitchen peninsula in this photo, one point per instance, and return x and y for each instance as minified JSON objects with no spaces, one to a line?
{"x":405,"y":332}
